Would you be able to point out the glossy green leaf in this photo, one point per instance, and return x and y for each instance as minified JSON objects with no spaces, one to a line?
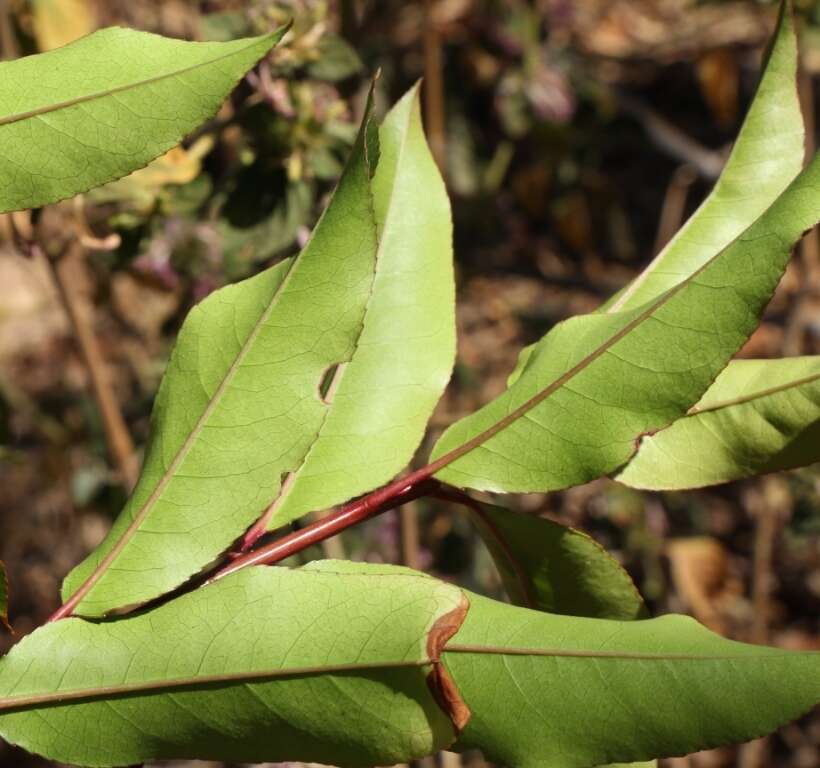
{"x":301,"y":387}
{"x":240,"y":405}
{"x":106,"y":105}
{"x":270,"y":664}
{"x":553,"y":568}
{"x":759,"y":416}
{"x":565,"y":692}
{"x":596,"y":383}
{"x":766,"y":156}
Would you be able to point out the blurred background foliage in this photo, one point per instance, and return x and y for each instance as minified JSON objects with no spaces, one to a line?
{"x":575,"y":137}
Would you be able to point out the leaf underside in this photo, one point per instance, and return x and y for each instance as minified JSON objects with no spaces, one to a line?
{"x":553,"y":568}
{"x":298,"y":388}
{"x":759,"y":416}
{"x":551,"y":691}
{"x":333,"y":663}
{"x":596,"y":383}
{"x":239,"y":406}
{"x":103,"y":106}
{"x":767,"y":154}
{"x":582,"y":397}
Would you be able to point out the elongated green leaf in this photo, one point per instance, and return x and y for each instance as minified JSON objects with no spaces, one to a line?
{"x":596,"y":383}
{"x":553,"y":568}
{"x":105,"y":105}
{"x":406,"y":349}
{"x":759,"y":416}
{"x":563,"y":692}
{"x":766,"y":156}
{"x":269,"y":664}
{"x":336,"y":662}
{"x":240,"y":405}
{"x":300,"y":388}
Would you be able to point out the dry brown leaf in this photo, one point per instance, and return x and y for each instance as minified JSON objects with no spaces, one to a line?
{"x":700,"y":572}
{"x":58,"y":22}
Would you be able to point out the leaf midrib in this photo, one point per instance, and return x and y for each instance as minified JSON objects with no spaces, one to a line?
{"x":57,"y":698}
{"x":502,"y":650}
{"x":46,"y":109}
{"x":28,"y":701}
{"x":524,"y":408}
{"x":751,"y":397}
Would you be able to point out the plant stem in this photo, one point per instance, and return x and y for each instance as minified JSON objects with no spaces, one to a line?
{"x":116,"y":432}
{"x":434,"y":87}
{"x":410,"y":539}
{"x":395,"y":494}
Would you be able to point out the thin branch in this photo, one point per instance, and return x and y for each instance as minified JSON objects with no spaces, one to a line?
{"x":410,"y":539}
{"x":117,"y":436}
{"x":391,"y":496}
{"x":434,"y":87}
{"x":671,"y":140}
{"x":674,"y":205}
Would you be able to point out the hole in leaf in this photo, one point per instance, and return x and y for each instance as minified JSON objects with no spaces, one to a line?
{"x":330,"y":381}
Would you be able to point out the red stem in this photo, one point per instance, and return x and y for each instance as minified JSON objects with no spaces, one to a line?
{"x":390,"y":496}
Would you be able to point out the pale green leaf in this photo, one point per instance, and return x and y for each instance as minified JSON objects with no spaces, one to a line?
{"x":332,"y":663}
{"x":580,"y":399}
{"x":405,"y":351}
{"x":270,"y":664}
{"x":557,"y":569}
{"x":239,"y":407}
{"x":106,"y":105}
{"x":563,"y":692}
{"x":596,"y":383}
{"x":553,"y":568}
{"x":766,"y":156}
{"x":759,"y":416}
{"x":299,"y":388}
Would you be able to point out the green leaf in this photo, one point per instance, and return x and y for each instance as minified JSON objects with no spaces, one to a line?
{"x":759,"y":416}
{"x":564,"y":692}
{"x":106,"y":105}
{"x":239,"y":406}
{"x":405,"y":351}
{"x":557,"y":569}
{"x":766,"y":156}
{"x":271,"y":664}
{"x":299,"y":388}
{"x":596,"y":383}
{"x":580,"y":398}
{"x":337,"y":663}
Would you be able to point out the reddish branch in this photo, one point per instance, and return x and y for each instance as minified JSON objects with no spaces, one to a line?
{"x":395,"y":494}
